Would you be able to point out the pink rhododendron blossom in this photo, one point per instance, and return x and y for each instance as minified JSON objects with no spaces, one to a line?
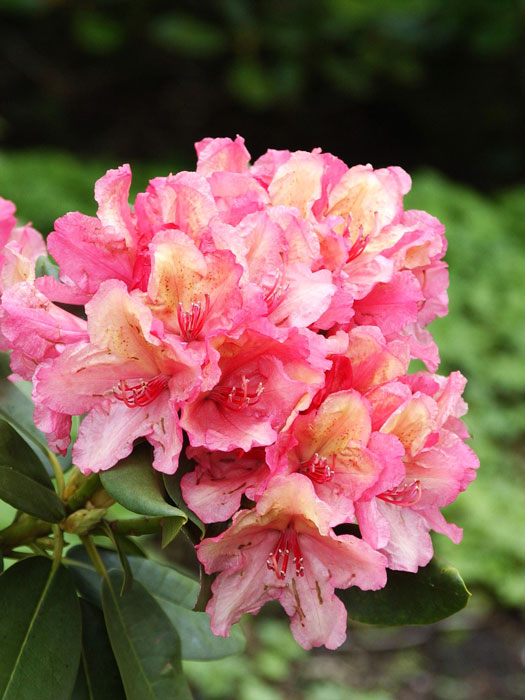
{"x":438,"y":465}
{"x":20,"y":247}
{"x":285,"y":549}
{"x":255,"y":323}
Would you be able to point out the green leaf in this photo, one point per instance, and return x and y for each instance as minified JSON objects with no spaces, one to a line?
{"x":17,"y":410}
{"x":98,"y":666}
{"x":434,"y":592}
{"x":124,"y":563}
{"x":172,"y":485}
{"x":170,"y":529}
{"x":137,"y":486}
{"x":162,"y":581}
{"x":39,"y":620}
{"x":197,"y":640}
{"x":45,"y":266}
{"x":145,"y":643}
{"x":175,"y":593}
{"x":15,"y":452}
{"x":24,"y":482}
{"x":5,"y":367}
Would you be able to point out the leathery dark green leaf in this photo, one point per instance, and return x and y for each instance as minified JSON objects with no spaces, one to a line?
{"x":145,"y":643}
{"x":98,"y":665}
{"x":137,"y":486}
{"x":24,"y":482}
{"x":39,"y":619}
{"x":433,"y":593}
{"x":177,"y":595}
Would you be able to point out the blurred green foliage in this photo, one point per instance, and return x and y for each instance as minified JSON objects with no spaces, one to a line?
{"x":483,"y":336}
{"x":377,"y":77}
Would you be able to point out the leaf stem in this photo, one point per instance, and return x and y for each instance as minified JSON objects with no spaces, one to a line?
{"x":57,"y":471}
{"x":205,"y":591}
{"x":95,"y":557}
{"x":23,"y":530}
{"x":58,"y":546}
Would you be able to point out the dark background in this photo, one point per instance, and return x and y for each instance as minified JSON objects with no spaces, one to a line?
{"x":411,"y":82}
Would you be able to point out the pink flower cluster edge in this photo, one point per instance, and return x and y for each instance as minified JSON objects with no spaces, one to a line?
{"x":263,"y":319}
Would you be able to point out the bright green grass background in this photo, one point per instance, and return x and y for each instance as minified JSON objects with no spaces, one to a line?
{"x":483,"y":337}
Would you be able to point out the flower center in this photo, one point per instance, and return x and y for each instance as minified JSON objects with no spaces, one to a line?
{"x":192,"y":321}
{"x":140,"y":392}
{"x":278,"y":559}
{"x":318,"y":469}
{"x":403,"y":495}
{"x":236,"y":397}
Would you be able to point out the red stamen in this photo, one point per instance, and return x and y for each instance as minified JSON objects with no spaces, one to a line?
{"x":192,"y":321}
{"x":140,"y":392}
{"x":275,"y":295}
{"x":235,"y":397}
{"x":358,"y":246}
{"x":403,"y":495}
{"x":318,"y":469}
{"x":278,"y":559}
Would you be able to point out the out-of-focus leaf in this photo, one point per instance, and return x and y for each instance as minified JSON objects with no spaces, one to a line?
{"x":97,"y":665}
{"x":198,"y":642}
{"x":188,"y":35}
{"x":434,"y":592}
{"x":137,"y":486}
{"x":39,"y":620}
{"x":24,"y":482}
{"x":5,"y":368}
{"x":145,"y":643}
{"x":45,"y":266}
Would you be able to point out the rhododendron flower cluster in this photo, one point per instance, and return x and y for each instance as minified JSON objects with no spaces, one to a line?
{"x":262,"y":319}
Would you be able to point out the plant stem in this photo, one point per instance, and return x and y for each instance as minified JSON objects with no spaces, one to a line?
{"x":95,"y":557}
{"x":205,"y":591}
{"x":23,"y":530}
{"x":58,"y":542}
{"x":59,"y":474}
{"x":85,"y":487}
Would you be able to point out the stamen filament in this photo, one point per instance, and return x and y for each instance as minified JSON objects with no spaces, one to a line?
{"x":318,"y":469}
{"x":403,"y":495}
{"x":235,"y":397}
{"x":288,"y":543}
{"x":140,"y":392}
{"x":191,"y":322}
